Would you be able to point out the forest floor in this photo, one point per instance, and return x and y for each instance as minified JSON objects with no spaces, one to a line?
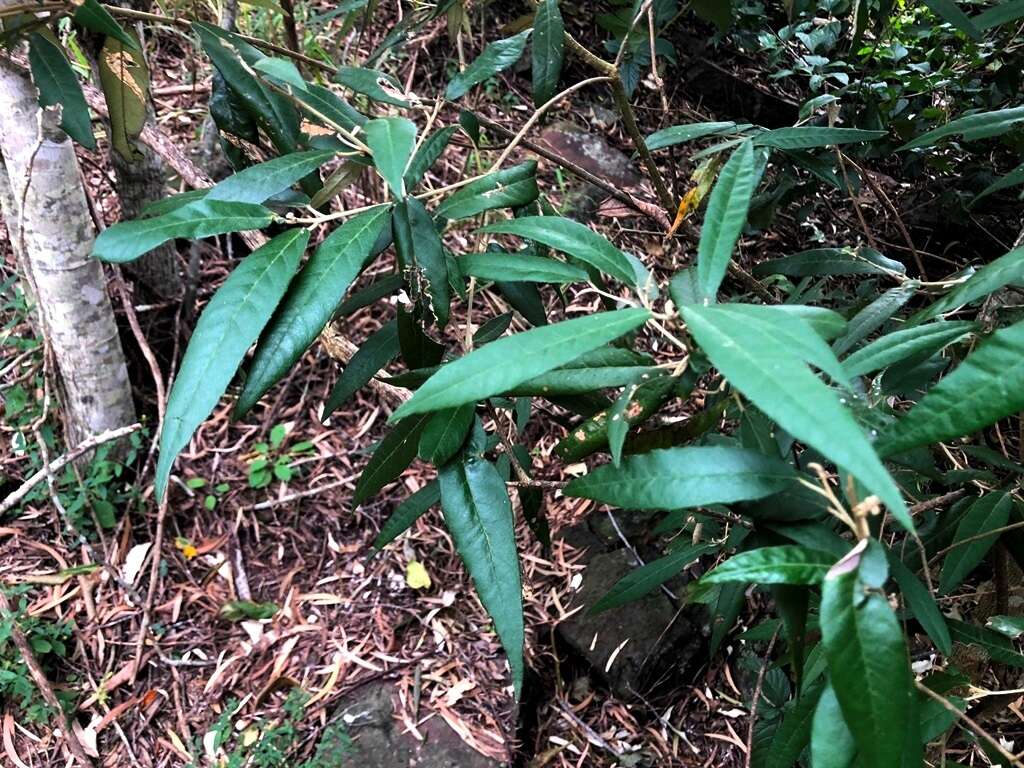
{"x":211,"y":684}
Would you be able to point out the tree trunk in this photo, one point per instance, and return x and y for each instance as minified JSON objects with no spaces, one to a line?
{"x":53,"y":236}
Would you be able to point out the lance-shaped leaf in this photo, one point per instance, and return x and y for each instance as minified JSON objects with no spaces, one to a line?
{"x":984,"y":388}
{"x":918,"y":599}
{"x":784,"y":564}
{"x":509,"y":188}
{"x":519,"y":267}
{"x":793,"y":734}
{"x":407,"y":513}
{"x":94,"y":17}
{"x":867,"y":661}
{"x":640,"y":582}
{"x":684,"y":477}
{"x":227,"y":328}
{"x":831,"y":261}
{"x":486,"y":371}
{"x":58,"y":84}
{"x":678,"y":134}
{"x":1007,"y":181}
{"x":950,"y":11}
{"x":548,"y":50}
{"x":774,"y":378}
{"x":832,"y":744}
{"x":981,"y":125}
{"x":427,"y":154}
{"x":258,"y":183}
{"x":311,"y":301}
{"x":989,"y":513}
{"x":376,"y":352}
{"x":904,"y":343}
{"x":392,"y":141}
{"x":497,"y":57}
{"x":723,"y":222}
{"x":997,"y":15}
{"x":874,"y":315}
{"x":128,"y":240}
{"x":809,"y":137}
{"x":572,"y":238}
{"x":390,"y":459}
{"x":1008,"y":269}
{"x":417,"y":243}
{"x":125,"y":81}
{"x":445,"y":433}
{"x":378,"y":85}
{"x":999,"y":647}
{"x":479,"y":517}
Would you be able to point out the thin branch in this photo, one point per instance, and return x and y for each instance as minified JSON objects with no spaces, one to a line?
{"x":978,"y":730}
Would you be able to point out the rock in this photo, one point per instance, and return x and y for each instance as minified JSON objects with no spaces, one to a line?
{"x":592,"y":152}
{"x":378,"y":740}
{"x":647,"y":655}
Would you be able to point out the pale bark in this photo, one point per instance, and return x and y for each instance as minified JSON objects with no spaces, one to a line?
{"x":55,"y":243}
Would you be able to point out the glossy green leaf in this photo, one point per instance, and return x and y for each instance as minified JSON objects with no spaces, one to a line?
{"x":519,"y":267}
{"x":427,"y":154}
{"x":724,"y":219}
{"x":999,"y":647}
{"x":227,"y":328}
{"x":311,"y":301}
{"x":94,"y":17}
{"x":578,"y":381}
{"x":373,"y":83}
{"x":486,"y":372}
{"x":407,"y":513}
{"x":258,"y":183}
{"x":784,"y":564}
{"x":445,"y":433}
{"x":981,"y":125}
{"x":392,"y":141}
{"x":1001,"y":13}
{"x":867,"y":662}
{"x":984,"y":388}
{"x":874,"y":316}
{"x":391,"y":458}
{"x":1011,"y":626}
{"x":128,"y":240}
{"x":904,"y":343}
{"x":58,"y":84}
{"x":988,"y":513}
{"x":832,"y":744}
{"x":479,"y":517}
{"x":794,"y":733}
{"x":572,"y":238}
{"x":684,"y":477}
{"x":768,"y":372}
{"x":324,"y":107}
{"x":950,"y":11}
{"x":376,"y":352}
{"x":921,"y":604}
{"x":1008,"y":269}
{"x":548,"y":50}
{"x":509,"y":188}
{"x":810,"y":136}
{"x":679,"y":134}
{"x":497,"y":57}
{"x":418,"y":243}
{"x":377,"y":290}
{"x":635,"y":584}
{"x":831,"y":261}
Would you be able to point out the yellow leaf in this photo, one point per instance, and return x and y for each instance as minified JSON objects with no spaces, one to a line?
{"x":416,"y":575}
{"x":186,"y":547}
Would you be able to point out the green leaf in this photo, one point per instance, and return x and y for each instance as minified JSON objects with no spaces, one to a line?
{"x":984,"y":388}
{"x":407,"y":513}
{"x":832,"y":744}
{"x":684,"y":477}
{"x":548,"y":50}
{"x":391,"y":458}
{"x":572,"y":238}
{"x":874,"y":315}
{"x":94,"y":17}
{"x":445,"y":433}
{"x":988,"y":513}
{"x":479,"y":517}
{"x":428,"y":153}
{"x":58,"y":84}
{"x":784,"y":564}
{"x":392,"y":140}
{"x":767,"y":371}
{"x":227,"y":328}
{"x":831,"y":261}
{"x":311,"y":301}
{"x":1011,"y":626}
{"x":376,"y":352}
{"x":497,"y":57}
{"x":1012,"y":179}
{"x":486,"y":372}
{"x":999,"y":14}
{"x":258,"y":183}
{"x":718,"y":12}
{"x":795,"y":731}
{"x":128,"y":240}
{"x":867,"y":662}
{"x":284,"y":72}
{"x":981,"y":125}
{"x":578,"y":381}
{"x":635,"y":584}
{"x":950,"y":11}
{"x":902,"y":344}
{"x":999,"y":647}
{"x":519,"y":267}
{"x":678,"y":134}
{"x":417,"y":243}
{"x":509,"y":188}
{"x":921,"y":604}
{"x":723,"y":222}
{"x":373,"y":83}
{"x":936,"y":719}
{"x":809,"y":137}
{"x":1008,"y":269}
{"x":124,"y":78}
